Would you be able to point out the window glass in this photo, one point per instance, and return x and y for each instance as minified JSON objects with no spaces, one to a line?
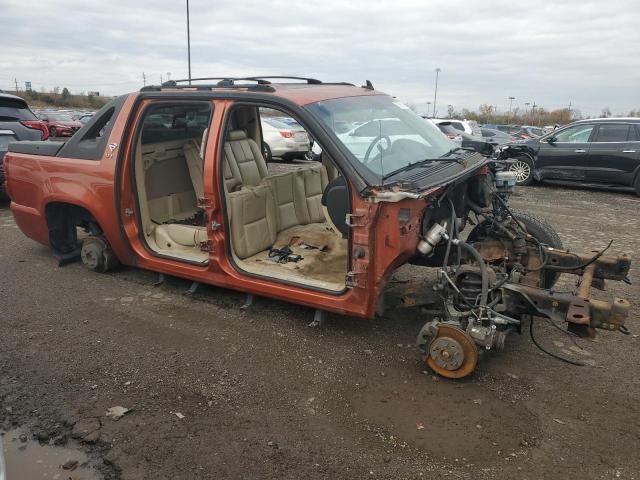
{"x":487,"y":133}
{"x":457,"y":126}
{"x":384,"y":135}
{"x":13,"y":110}
{"x":575,"y":134}
{"x":613,"y":133}
{"x":90,"y":141}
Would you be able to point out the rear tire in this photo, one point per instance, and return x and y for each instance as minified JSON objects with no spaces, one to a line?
{"x":523,"y":168}
{"x":266,"y":153}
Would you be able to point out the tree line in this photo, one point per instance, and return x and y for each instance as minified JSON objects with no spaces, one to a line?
{"x":62,"y":98}
{"x":534,"y":115}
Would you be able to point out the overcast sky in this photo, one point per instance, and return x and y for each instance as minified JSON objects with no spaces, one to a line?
{"x":547,"y":52}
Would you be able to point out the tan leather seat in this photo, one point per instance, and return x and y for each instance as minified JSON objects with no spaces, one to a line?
{"x":174,"y":235}
{"x":314,"y":183}
{"x":167,"y":182}
{"x":253,"y":220}
{"x":244,"y":153}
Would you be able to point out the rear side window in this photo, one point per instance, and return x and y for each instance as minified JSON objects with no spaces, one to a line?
{"x":614,"y":133}
{"x":90,"y":141}
{"x":457,"y":126}
{"x":12,"y":110}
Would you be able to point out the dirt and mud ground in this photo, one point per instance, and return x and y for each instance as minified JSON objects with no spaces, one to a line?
{"x":216,"y":392}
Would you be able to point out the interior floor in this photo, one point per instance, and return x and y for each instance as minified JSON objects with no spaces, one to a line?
{"x":323,"y":263}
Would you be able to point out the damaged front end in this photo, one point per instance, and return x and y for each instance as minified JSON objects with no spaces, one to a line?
{"x":502,"y":274}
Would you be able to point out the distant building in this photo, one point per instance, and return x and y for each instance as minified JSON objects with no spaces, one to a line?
{"x":93,"y":94}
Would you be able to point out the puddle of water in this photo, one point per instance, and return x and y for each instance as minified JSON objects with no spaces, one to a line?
{"x":28,"y":460}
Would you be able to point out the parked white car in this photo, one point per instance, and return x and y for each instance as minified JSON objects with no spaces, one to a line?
{"x":283,"y":140}
{"x":358,"y":139}
{"x":469,"y":127}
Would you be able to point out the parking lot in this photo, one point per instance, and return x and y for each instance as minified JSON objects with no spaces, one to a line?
{"x":217,"y":392}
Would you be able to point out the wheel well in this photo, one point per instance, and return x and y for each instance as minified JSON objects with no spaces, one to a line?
{"x":62,"y":222}
{"x":523,"y":154}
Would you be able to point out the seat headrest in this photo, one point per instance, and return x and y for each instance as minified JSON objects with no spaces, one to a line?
{"x":237,"y":135}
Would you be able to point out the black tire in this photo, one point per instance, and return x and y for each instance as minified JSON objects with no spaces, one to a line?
{"x":52,"y":131}
{"x":537,"y":227}
{"x":266,"y":153}
{"x":523,"y":167}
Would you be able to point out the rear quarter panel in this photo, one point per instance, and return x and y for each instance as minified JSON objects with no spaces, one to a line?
{"x":34,"y":181}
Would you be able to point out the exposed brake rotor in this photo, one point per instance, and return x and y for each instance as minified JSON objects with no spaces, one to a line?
{"x":452,"y":352}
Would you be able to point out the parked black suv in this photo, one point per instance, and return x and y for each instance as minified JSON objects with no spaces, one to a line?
{"x":602,"y":152}
{"x":17,"y":122}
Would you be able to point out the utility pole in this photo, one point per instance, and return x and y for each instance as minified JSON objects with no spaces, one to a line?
{"x":428,"y":108}
{"x":435,"y":94}
{"x":188,"y":43}
{"x":511,"y":99}
{"x":533,"y":113}
{"x":16,"y":80}
{"x":144,"y":80}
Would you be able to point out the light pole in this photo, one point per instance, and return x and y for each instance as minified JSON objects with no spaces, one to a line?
{"x":188,"y":43}
{"x":511,"y":99}
{"x":449,"y":110}
{"x":435,"y":94}
{"x":428,"y":108}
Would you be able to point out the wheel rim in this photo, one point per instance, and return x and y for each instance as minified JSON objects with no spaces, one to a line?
{"x":522,"y":170}
{"x":452,"y":353}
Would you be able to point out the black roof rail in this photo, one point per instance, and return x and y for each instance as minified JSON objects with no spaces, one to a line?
{"x":263,"y":83}
{"x":262,"y":79}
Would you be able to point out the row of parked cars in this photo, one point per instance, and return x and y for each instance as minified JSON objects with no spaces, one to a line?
{"x":596,"y":152}
{"x":63,"y":123}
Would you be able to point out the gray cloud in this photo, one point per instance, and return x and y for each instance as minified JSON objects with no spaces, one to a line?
{"x":548,"y":52}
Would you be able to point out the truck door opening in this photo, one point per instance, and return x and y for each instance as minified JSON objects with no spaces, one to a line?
{"x":168,"y":172}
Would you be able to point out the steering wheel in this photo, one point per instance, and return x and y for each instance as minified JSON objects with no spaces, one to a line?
{"x":375,"y":142}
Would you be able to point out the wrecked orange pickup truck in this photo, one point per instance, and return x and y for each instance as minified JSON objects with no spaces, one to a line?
{"x":173,"y":179}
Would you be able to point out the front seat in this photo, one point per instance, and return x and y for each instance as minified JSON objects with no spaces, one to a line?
{"x":247,"y":156}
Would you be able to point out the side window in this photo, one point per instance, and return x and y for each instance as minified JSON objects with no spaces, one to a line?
{"x":613,"y":133}
{"x":91,"y":140}
{"x":487,"y":133}
{"x":457,"y":126}
{"x":576,"y":134}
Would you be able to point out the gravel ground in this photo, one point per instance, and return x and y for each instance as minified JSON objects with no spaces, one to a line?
{"x":216,"y":392}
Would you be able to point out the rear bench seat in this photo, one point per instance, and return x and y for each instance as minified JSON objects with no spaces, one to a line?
{"x":258,"y":214}
{"x":261,"y":205}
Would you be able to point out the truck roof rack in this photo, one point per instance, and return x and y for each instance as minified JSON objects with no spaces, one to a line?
{"x":262,"y":83}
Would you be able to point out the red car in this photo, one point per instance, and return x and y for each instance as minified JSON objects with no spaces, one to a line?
{"x":172,"y":179}
{"x":60,"y":124}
